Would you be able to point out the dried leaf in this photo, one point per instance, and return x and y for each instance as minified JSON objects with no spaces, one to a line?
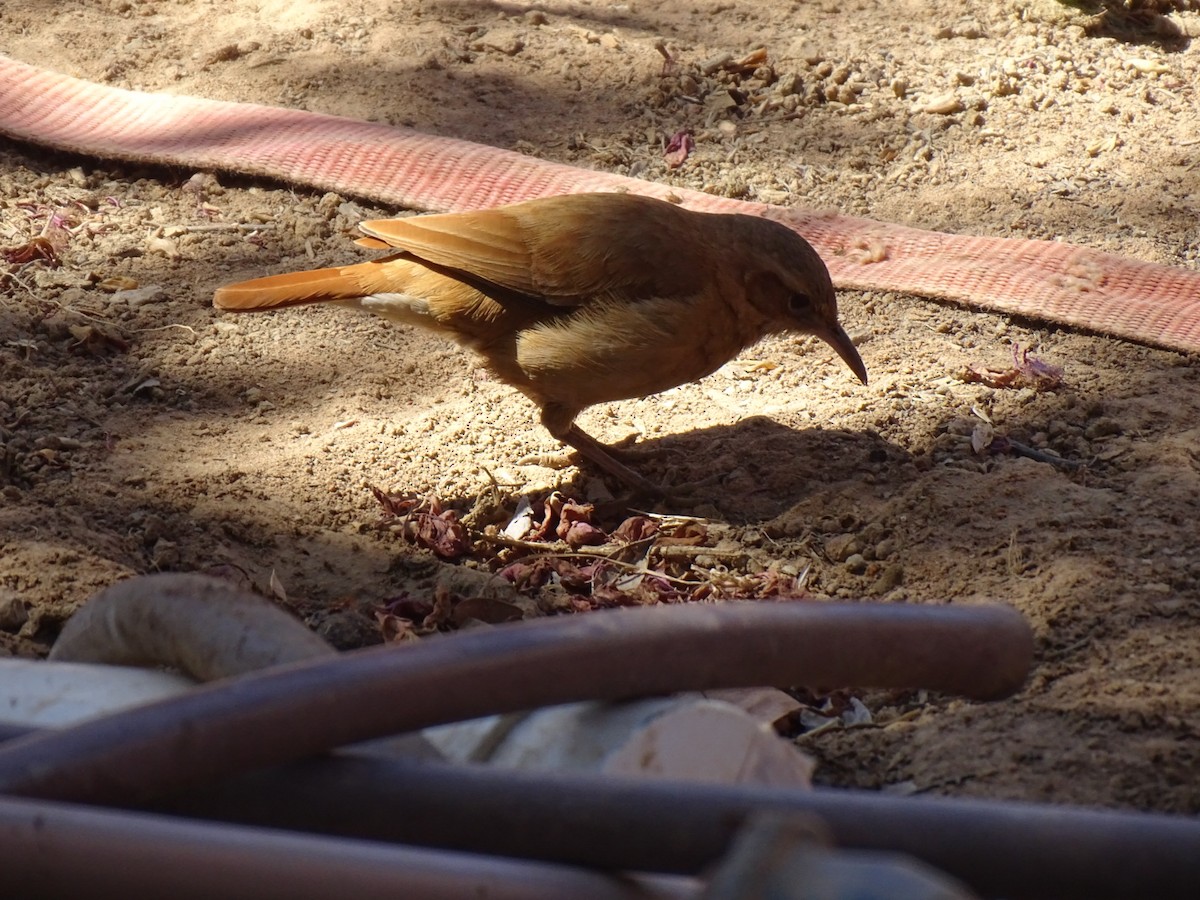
{"x":634,"y":529}
{"x":115,"y":283}
{"x":689,"y":534}
{"x":442,"y":608}
{"x":441,"y":533}
{"x":426,"y":524}
{"x":773,"y":583}
{"x":678,"y":147}
{"x":521,"y":522}
{"x":394,"y":628}
{"x":857,"y":714}
{"x":982,"y":437}
{"x":631,"y":579}
{"x":142,"y":386}
{"x":750,"y":61}
{"x":569,"y":521}
{"x":525,"y":575}
{"x":581,"y":534}
{"x":1026,"y":371}
{"x":277,"y":588}
{"x":40,"y":248}
{"x":396,"y":504}
{"x":649,"y":591}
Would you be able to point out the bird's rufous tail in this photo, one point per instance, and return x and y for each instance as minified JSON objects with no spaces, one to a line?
{"x":315,"y":286}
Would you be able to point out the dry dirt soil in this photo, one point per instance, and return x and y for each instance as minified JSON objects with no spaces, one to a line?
{"x":141,"y":431}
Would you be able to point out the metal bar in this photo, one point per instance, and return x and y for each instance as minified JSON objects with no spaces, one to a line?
{"x":302,"y":709}
{"x":58,"y":850}
{"x":1000,"y":849}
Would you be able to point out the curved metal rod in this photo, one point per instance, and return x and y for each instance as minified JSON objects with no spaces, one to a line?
{"x":57,"y":850}
{"x":1000,"y":849}
{"x":295,"y":711}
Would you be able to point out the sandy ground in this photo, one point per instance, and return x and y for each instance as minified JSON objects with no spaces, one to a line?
{"x":142,"y":431}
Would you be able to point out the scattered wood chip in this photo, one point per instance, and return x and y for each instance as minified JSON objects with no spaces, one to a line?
{"x":942,"y":105}
{"x":114,"y":283}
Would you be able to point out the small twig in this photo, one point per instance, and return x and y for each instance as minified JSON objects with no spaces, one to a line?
{"x":669,"y":517}
{"x":1032,"y":453}
{"x":603,"y":551}
{"x":220,"y":226}
{"x":1059,"y":653}
{"x":187,"y":328}
{"x":549,"y":551}
{"x":559,"y":548}
{"x":690,"y":551}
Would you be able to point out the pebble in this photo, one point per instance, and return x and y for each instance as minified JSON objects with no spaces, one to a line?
{"x":942,"y":105}
{"x":1102,"y":428}
{"x":841,"y":547}
{"x":890,"y":578}
{"x":13,"y":612}
{"x":165,"y":555}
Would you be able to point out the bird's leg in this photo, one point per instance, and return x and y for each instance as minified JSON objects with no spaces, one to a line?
{"x":561,"y":426}
{"x":598,"y":454}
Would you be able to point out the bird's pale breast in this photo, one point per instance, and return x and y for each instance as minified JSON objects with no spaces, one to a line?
{"x":616,"y":350}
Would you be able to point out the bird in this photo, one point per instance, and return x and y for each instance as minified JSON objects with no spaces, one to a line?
{"x":581,"y":299}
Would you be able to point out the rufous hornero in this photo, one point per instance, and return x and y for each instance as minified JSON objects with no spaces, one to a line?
{"x":582,"y":299}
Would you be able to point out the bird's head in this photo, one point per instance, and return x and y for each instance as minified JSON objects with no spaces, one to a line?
{"x":788,"y":282}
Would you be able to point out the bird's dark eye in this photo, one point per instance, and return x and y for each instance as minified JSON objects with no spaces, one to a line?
{"x":799,"y":305}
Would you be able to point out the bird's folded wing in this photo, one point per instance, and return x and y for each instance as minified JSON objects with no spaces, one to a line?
{"x":566,"y":250}
{"x":487,"y":244}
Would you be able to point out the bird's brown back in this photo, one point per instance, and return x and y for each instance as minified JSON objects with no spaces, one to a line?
{"x":565,"y":250}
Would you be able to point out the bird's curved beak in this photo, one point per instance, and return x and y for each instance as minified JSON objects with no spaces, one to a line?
{"x":835,"y":336}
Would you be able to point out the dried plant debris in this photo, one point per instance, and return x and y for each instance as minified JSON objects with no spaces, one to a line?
{"x":39,"y":249}
{"x":554,"y":554}
{"x":677,"y":149}
{"x":1027,"y":371}
{"x":425,"y":523}
{"x":987,"y":441}
{"x":57,"y":225}
{"x":407,"y":616}
{"x":821,"y":711}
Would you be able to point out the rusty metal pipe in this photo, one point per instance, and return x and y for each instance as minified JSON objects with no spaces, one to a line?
{"x":1000,"y":849}
{"x":64,"y":851}
{"x":302,"y":709}
{"x":8,"y":731}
